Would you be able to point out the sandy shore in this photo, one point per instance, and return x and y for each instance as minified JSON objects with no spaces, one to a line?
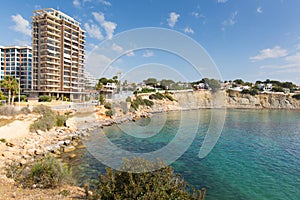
{"x":16,"y":129}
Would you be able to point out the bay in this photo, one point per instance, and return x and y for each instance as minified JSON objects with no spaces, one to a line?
{"x":256,"y":157}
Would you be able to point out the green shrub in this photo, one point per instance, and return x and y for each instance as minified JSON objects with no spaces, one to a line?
{"x":139,"y":100}
{"x":277,"y":89}
{"x":149,"y":184}
{"x":45,"y":98}
{"x":25,"y":110}
{"x":48,"y":119}
{"x":157,"y":96}
{"x":61,"y":120}
{"x":296,"y":96}
{"x":107,"y":105}
{"x":42,"y":109}
{"x":148,"y":102}
{"x":47,"y":172}
{"x":109,"y":113}
{"x":3,"y":140}
{"x":102,"y":99}
{"x":128,"y":99}
{"x":168,"y":96}
{"x":23,"y":98}
{"x":252,"y":92}
{"x":7,"y":111}
{"x":144,"y":90}
{"x":134,"y":105}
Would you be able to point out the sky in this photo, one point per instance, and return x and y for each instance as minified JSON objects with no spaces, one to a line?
{"x":249,"y":39}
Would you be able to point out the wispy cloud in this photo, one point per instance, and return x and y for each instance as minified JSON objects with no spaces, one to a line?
{"x":196,"y":14}
{"x":291,"y":65}
{"x":275,"y":52}
{"x":231,"y":21}
{"x":222,"y":1}
{"x":117,"y":48}
{"x":80,"y":3}
{"x":189,"y":30}
{"x":108,"y":26}
{"x":130,"y":54}
{"x":106,"y":3}
{"x":148,"y":54}
{"x":77,"y":3}
{"x":21,"y":25}
{"x":93,"y":31}
{"x":259,"y":10}
{"x":173,"y":19}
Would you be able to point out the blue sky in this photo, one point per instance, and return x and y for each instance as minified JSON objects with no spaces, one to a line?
{"x":249,"y":39}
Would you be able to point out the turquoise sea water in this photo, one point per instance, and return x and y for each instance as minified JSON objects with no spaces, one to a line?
{"x":256,"y":157}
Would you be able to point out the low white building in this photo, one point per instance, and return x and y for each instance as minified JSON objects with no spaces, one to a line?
{"x":265,"y":87}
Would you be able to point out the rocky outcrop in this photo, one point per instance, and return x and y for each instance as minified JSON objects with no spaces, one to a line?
{"x":267,"y":101}
{"x":232,"y":99}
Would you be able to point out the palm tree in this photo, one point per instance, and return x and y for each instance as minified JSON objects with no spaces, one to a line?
{"x":11,"y":84}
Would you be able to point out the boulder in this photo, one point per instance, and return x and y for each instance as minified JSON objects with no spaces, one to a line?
{"x":69,"y":149}
{"x":72,"y":155}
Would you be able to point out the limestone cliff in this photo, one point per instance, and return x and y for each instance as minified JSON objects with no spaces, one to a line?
{"x":204,"y":99}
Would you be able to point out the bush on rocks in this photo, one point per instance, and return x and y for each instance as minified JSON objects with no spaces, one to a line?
{"x":149,"y":184}
{"x":157,"y":96}
{"x":47,"y":172}
{"x":47,"y":120}
{"x":109,"y":113}
{"x":7,"y":111}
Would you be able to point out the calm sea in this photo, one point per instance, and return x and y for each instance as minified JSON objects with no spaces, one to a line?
{"x":256,"y":157}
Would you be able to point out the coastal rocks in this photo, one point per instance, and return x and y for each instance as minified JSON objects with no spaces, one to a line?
{"x":69,"y":149}
{"x":72,"y":155}
{"x":244,"y":101}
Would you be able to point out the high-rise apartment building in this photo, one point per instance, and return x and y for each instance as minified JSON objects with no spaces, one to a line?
{"x":58,"y":45}
{"x":16,"y":61}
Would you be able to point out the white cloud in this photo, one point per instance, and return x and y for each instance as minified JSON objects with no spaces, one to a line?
{"x":21,"y":25}
{"x":173,"y":19}
{"x":295,"y":59}
{"x":259,"y":10}
{"x":130,"y":54}
{"x":108,"y":26}
{"x":77,"y":3}
{"x":37,"y":7}
{"x":195,"y":14}
{"x":189,"y":30}
{"x":148,"y":54}
{"x":275,"y":52}
{"x":106,"y":3}
{"x":116,"y":48}
{"x":231,"y":20}
{"x":93,"y":31}
{"x":222,"y":1}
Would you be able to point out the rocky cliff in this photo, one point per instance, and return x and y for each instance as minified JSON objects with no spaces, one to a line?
{"x":204,"y":99}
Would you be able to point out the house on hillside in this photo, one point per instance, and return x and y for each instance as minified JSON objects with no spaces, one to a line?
{"x":109,"y":89}
{"x":201,"y":86}
{"x":265,"y":87}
